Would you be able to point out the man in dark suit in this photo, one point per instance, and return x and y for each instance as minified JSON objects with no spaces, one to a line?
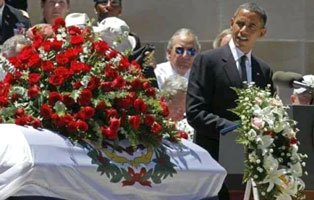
{"x":12,"y":21}
{"x":19,"y":4}
{"x":209,"y":95}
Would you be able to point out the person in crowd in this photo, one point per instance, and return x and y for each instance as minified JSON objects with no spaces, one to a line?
{"x":210,"y":96}
{"x":11,"y":47}
{"x":53,"y":9}
{"x":112,"y":8}
{"x":12,"y":21}
{"x":19,"y":4}
{"x":174,"y":90}
{"x":181,"y":51}
{"x":302,"y":96}
{"x":222,"y":38}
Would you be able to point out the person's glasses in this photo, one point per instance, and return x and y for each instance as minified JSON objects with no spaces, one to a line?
{"x":112,"y":2}
{"x":189,"y":51}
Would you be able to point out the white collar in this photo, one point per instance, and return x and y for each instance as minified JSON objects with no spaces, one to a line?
{"x":2,"y":7}
{"x":237,"y":53}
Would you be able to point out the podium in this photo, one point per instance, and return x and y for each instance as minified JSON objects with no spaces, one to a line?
{"x":304,"y":115}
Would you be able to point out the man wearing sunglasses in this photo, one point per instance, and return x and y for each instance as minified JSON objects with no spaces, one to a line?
{"x":210,"y":96}
{"x":181,"y":51}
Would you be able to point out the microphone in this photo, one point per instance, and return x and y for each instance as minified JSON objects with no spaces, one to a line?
{"x":288,"y":79}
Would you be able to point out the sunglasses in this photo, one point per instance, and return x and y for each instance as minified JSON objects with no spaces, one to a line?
{"x":181,"y":50}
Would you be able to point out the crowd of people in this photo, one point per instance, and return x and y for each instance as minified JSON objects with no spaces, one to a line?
{"x":197,"y":84}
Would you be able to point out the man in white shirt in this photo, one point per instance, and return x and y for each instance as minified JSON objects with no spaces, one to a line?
{"x":181,"y":51}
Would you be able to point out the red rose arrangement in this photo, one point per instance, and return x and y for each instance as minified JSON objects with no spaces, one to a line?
{"x":73,"y":83}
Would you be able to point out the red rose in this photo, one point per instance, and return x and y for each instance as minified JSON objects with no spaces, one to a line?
{"x":106,"y":86}
{"x":33,"y":91}
{"x":74,"y":30}
{"x":118,"y":82}
{"x":93,"y":83}
{"x":15,"y":97}
{"x":151,"y":92}
{"x":56,"y":80}
{"x":89,"y":112}
{"x":101,"y":47}
{"x":36,"y":123}
{"x":21,"y":121}
{"x":108,"y":133}
{"x":76,"y":40}
{"x":147,"y":85}
{"x":33,"y":78}
{"x":136,"y":84}
{"x":59,"y":21}
{"x":68,"y":101}
{"x":77,"y":85}
{"x":34,"y":60}
{"x":156,"y":128}
{"x":56,"y":45}
{"x":72,"y":127}
{"x":293,"y":140}
{"x":3,"y":101}
{"x":54,"y":97}
{"x":47,"y":66}
{"x":85,"y":98}
{"x":82,"y":126}
{"x":67,"y":118}
{"x":19,"y":112}
{"x":124,"y":64}
{"x":137,"y":104}
{"x":62,"y":59}
{"x":165,"y":109}
{"x":45,"y":111}
{"x":113,"y":53}
{"x":111,"y":112}
{"x":114,"y":124}
{"x":72,"y":53}
{"x":111,"y":73}
{"x":101,"y":106}
{"x":135,"y":121}
{"x":57,"y":120}
{"x":182,"y":134}
{"x":149,"y":120}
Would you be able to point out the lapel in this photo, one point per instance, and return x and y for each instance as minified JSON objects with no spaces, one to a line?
{"x":257,"y":73}
{"x":230,"y":67}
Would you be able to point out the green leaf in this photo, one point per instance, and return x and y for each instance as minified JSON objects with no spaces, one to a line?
{"x":60,"y":108}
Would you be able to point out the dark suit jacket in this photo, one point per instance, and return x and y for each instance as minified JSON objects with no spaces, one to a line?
{"x":11,"y":18}
{"x":209,"y":95}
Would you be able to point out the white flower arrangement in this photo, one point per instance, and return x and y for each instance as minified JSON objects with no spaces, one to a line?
{"x":272,"y":160}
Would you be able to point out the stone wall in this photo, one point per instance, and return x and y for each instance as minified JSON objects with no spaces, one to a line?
{"x":288,"y":45}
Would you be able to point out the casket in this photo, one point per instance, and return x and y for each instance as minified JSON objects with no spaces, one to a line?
{"x":43,"y":163}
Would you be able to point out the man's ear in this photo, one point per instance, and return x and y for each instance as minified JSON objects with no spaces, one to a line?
{"x":231,"y":22}
{"x":263,"y":32}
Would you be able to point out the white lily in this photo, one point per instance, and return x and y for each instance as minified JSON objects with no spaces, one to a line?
{"x":274,"y":175}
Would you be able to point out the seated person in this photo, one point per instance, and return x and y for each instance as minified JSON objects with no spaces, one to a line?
{"x":302,"y":96}
{"x":13,"y":21}
{"x":222,"y":38}
{"x":53,"y":9}
{"x":174,"y":89}
{"x":181,"y":51}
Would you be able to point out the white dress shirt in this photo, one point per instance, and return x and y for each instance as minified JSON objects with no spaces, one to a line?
{"x":164,"y":71}
{"x":237,"y":54}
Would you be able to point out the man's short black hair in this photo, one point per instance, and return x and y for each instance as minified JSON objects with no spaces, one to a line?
{"x":253,"y":7}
